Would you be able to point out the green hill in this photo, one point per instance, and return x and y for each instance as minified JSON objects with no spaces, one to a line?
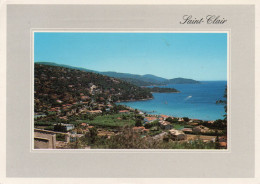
{"x":56,"y":85}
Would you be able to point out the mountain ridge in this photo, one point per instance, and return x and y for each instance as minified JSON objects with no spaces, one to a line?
{"x":140,"y":80}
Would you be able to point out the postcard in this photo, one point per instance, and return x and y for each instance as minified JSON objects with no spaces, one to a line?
{"x":129,"y":93}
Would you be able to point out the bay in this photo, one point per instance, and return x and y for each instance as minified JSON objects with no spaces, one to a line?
{"x":196,"y":101}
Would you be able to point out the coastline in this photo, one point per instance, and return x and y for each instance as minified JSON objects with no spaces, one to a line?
{"x":144,"y":99}
{"x":166,"y":92}
{"x":157,"y":114}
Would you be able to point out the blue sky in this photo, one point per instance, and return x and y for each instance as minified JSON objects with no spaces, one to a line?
{"x":199,"y":56}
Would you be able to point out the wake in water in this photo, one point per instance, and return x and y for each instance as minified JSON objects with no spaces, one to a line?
{"x":187,"y":98}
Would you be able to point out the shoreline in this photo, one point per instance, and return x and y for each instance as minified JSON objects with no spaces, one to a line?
{"x":158,"y":114}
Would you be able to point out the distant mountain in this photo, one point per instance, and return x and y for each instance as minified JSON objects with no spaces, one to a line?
{"x":154,"y":78}
{"x":149,"y":79}
{"x":182,"y":81}
{"x":139,"y":80}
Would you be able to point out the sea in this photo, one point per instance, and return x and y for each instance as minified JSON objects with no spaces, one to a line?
{"x":195,"y":101}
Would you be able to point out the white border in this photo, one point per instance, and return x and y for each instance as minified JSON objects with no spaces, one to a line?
{"x":133,"y":30}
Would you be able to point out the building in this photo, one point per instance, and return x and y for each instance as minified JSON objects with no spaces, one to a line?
{"x":66,"y":126}
{"x":84,"y":97}
{"x":177,"y":135}
{"x":138,"y":129}
{"x":124,"y":112}
{"x":165,"y":125}
{"x":95,"y":112}
{"x":187,"y":130}
{"x":196,"y":120}
{"x":164,"y":117}
{"x":150,"y":119}
{"x":223,"y":145}
{"x":83,"y":124}
{"x":45,"y":139}
{"x":222,"y":140}
{"x":200,"y":129}
{"x":69,"y":126}
{"x":180,"y":119}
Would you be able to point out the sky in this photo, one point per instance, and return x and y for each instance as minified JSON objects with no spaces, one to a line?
{"x":199,"y":56}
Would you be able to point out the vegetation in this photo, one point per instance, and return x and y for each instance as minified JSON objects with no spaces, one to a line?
{"x":138,"y":82}
{"x":88,"y":101}
{"x":163,"y":90}
{"x":60,"y":137}
{"x":128,"y":139}
{"x":182,"y":81}
{"x":223,"y":123}
{"x":55,"y":86}
{"x":172,"y":120}
{"x":60,"y":128}
{"x":112,"y":121}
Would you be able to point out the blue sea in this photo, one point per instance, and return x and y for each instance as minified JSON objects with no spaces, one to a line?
{"x":196,"y":101}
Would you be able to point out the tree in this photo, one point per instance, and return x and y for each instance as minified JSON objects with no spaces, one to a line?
{"x":225,"y":107}
{"x":224,"y":102}
{"x":138,"y":123}
{"x":93,"y":134}
{"x":186,"y":119}
{"x":60,"y":128}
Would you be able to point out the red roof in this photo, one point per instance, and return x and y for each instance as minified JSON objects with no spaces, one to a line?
{"x":124,"y":111}
{"x":151,"y":118}
{"x":223,"y":144}
{"x":164,"y":116}
{"x":138,"y":128}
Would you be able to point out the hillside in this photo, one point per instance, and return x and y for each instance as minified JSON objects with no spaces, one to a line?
{"x":56,"y":86}
{"x":139,"y":80}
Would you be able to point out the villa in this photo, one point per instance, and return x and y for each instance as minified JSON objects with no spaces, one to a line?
{"x":165,"y":125}
{"x":199,"y":129}
{"x":95,"y":112}
{"x":177,"y":134}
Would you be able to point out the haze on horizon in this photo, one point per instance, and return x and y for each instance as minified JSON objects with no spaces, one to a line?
{"x":199,"y":56}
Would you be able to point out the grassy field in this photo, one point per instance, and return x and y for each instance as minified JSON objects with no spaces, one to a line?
{"x":178,"y":127}
{"x":114,"y":120}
